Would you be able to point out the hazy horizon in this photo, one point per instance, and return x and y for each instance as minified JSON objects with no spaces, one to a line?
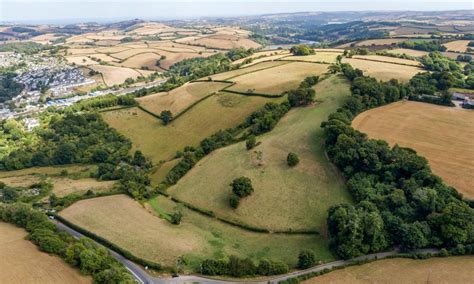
{"x":72,"y":11}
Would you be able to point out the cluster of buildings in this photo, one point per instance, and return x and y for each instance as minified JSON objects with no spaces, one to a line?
{"x":466,"y":99}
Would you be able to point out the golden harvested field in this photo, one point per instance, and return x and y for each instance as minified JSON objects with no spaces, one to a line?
{"x":22,"y":262}
{"x":283,"y":198}
{"x":63,"y":186}
{"x":131,"y":52}
{"x":126,"y":223}
{"x":224,"y":42}
{"x":146,"y":60}
{"x":81,"y":51}
{"x":407,"y":51}
{"x":262,"y":55}
{"x":180,"y":98}
{"x":173,"y":57}
{"x":389,"y":59}
{"x":115,"y":75}
{"x":384,"y":71}
{"x":325,"y":57}
{"x":245,"y":70}
{"x":457,"y":45}
{"x":443,"y":135}
{"x":278,"y":79}
{"x":159,"y":142}
{"x":81,"y":60}
{"x":382,"y":41}
{"x":456,"y":269}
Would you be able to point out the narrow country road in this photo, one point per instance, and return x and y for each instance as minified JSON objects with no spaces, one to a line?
{"x":143,"y":277}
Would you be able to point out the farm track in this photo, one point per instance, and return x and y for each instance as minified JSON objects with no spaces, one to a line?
{"x":142,"y":276}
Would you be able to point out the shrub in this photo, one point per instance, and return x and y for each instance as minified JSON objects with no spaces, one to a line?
{"x":251,"y":142}
{"x":176,"y":218}
{"x":166,"y":116}
{"x":301,"y":50}
{"x":234,"y":201}
{"x":292,"y":159}
{"x":306,"y":259}
{"x":242,"y":186}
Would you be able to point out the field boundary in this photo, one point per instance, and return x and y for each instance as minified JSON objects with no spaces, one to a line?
{"x":252,"y":94}
{"x":236,"y":223}
{"x":388,"y":62}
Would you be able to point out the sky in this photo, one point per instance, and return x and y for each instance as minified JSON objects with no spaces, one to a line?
{"x":70,"y":11}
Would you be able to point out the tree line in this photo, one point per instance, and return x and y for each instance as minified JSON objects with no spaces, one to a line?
{"x":399,"y":201}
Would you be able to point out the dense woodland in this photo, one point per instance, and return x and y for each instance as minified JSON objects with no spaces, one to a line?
{"x":399,"y":201}
{"x":9,"y":88}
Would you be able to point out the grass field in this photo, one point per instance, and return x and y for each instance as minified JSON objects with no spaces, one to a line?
{"x":457,"y":269}
{"x":389,"y":59}
{"x":159,"y":142}
{"x":284,"y":198}
{"x":457,"y":45}
{"x":278,"y":79}
{"x":52,"y":170}
{"x":250,"y":69}
{"x":324,"y":56}
{"x":64,"y":186}
{"x":180,"y":98}
{"x":382,"y":41}
{"x":143,"y":60}
{"x":224,"y":42}
{"x":441,"y":134}
{"x":384,"y":71}
{"x":22,"y":262}
{"x":115,"y":75}
{"x":262,"y":55}
{"x":411,"y":52}
{"x":126,"y":223}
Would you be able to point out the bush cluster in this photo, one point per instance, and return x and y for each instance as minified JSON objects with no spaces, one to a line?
{"x":238,"y":267}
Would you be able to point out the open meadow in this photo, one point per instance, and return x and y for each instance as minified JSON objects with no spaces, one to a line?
{"x":284,"y":198}
{"x":441,"y":134}
{"x":126,"y":223}
{"x":381,"y":41}
{"x":388,"y":59}
{"x":320,"y":56}
{"x":276,"y":80}
{"x":159,"y":142}
{"x":410,"y":52}
{"x":22,"y":262}
{"x":180,"y":98}
{"x":456,"y":269}
{"x":384,"y":71}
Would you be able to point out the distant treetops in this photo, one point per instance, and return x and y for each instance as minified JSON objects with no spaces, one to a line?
{"x":302,"y":50}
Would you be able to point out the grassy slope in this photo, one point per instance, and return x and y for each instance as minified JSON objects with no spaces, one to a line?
{"x":284,"y":197}
{"x":125,"y":222}
{"x":159,"y":142}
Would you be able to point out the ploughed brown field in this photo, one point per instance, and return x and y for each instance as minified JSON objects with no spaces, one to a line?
{"x":443,"y":135}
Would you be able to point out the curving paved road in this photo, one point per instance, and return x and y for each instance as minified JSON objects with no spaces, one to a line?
{"x":143,"y":277}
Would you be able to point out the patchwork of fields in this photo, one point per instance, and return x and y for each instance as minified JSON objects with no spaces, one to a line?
{"x":441,"y":134}
{"x":22,"y":262}
{"x":284,"y":198}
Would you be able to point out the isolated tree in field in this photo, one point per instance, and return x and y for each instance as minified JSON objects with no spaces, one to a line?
{"x":306,"y":259}
{"x":166,"y":116}
{"x":242,"y":186}
{"x":251,"y":142}
{"x":339,"y":59}
{"x":301,"y":50}
{"x":292,"y":159}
